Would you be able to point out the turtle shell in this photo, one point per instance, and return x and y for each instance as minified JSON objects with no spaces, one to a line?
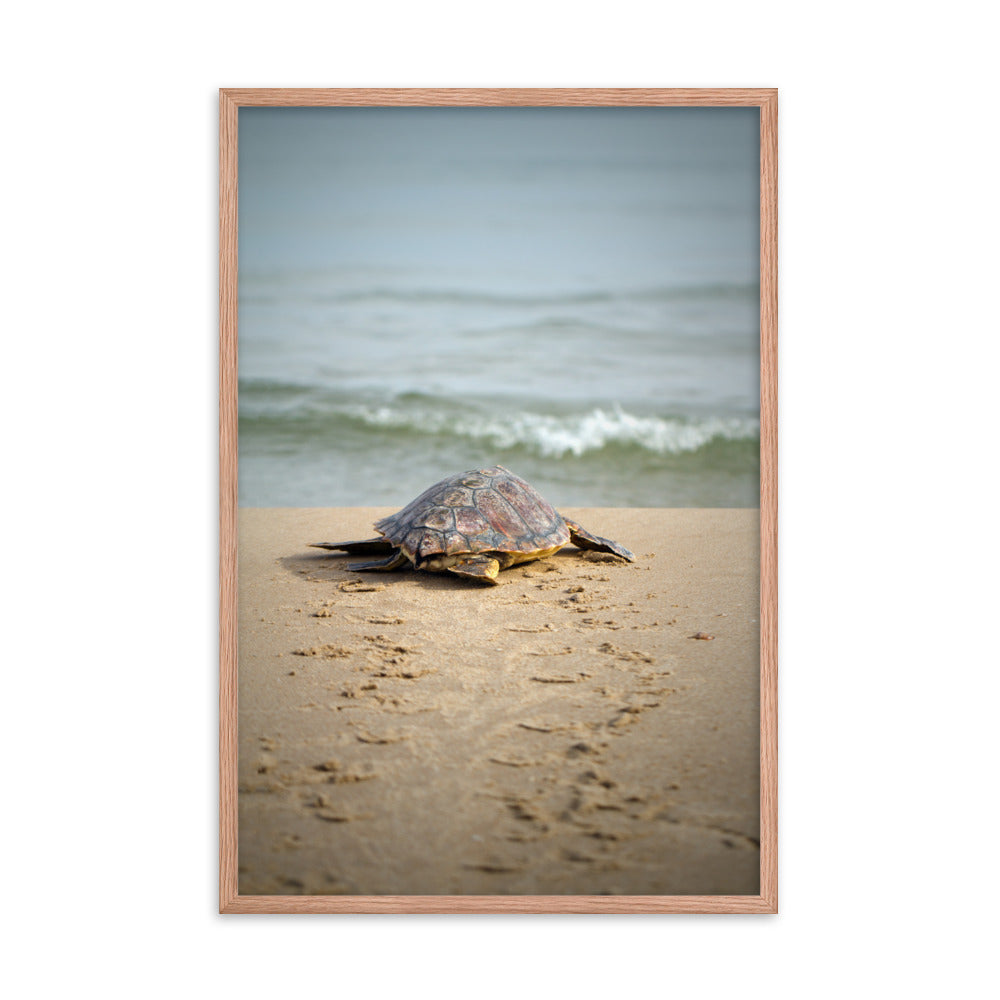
{"x":483,"y":510}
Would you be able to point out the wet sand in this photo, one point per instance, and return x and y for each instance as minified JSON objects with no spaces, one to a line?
{"x":571,"y":731}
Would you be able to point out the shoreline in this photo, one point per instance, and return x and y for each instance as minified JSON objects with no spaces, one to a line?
{"x":562,"y":733}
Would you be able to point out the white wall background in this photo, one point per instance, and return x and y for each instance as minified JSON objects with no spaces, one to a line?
{"x":889,"y":332}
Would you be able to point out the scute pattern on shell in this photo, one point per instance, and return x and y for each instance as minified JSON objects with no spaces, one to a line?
{"x":485,"y":510}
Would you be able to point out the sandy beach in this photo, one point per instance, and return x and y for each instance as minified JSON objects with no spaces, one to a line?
{"x":587,"y":727}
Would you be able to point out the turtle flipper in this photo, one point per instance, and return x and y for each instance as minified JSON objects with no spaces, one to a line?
{"x":394,"y":561}
{"x":370,"y":546}
{"x":483,"y":569}
{"x":583,"y":539}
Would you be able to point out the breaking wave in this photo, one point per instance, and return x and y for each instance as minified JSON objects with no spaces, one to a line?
{"x":544,"y":434}
{"x":558,"y":436}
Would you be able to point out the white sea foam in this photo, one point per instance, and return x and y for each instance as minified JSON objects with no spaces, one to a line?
{"x":577,"y":434}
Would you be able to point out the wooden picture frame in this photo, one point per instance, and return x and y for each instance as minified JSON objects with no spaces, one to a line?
{"x":231,"y":100}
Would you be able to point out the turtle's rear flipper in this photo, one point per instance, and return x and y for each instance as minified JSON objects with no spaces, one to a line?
{"x":583,"y":539}
{"x":483,"y":569}
{"x":370,"y":546}
{"x":394,"y":561}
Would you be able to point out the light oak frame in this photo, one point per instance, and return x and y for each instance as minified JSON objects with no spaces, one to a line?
{"x":230,"y":101}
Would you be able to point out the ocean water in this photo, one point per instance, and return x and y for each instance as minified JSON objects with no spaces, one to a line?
{"x":572,"y":293}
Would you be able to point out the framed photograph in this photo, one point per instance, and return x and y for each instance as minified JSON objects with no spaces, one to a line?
{"x":498,"y":505}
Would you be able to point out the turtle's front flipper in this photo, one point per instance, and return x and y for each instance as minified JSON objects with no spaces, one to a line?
{"x":370,"y":546}
{"x":394,"y":561}
{"x":583,"y":539}
{"x":484,"y":569}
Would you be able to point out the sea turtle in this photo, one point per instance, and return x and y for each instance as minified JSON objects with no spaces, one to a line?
{"x":473,"y":524}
